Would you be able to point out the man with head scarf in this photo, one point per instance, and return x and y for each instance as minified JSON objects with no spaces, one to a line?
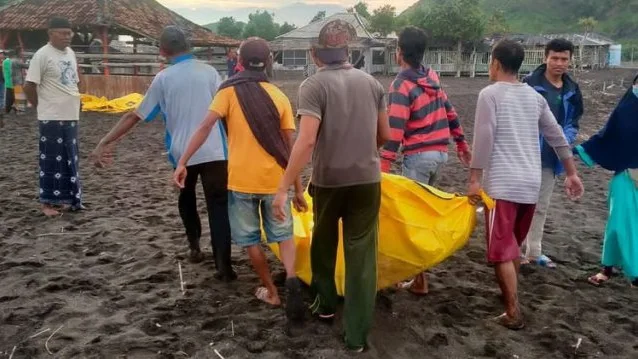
{"x":52,"y":87}
{"x":260,"y":126}
{"x":182,"y":93}
{"x":615,"y":149}
{"x":343,"y":124}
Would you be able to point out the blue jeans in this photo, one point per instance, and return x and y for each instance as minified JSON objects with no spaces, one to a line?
{"x":424,"y":167}
{"x":246,"y":222}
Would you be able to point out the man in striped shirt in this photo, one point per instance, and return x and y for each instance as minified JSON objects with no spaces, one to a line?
{"x":510,"y":116}
{"x":422,"y":120}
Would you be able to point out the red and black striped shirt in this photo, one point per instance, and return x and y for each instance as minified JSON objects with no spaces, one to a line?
{"x":421,"y":116}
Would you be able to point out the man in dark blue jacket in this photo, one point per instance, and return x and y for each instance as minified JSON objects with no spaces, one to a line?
{"x":566,"y":102}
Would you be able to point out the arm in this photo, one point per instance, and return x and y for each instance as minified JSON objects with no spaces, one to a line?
{"x":126,"y":123}
{"x":455,"y":126}
{"x":199,"y":137}
{"x":383,"y":128}
{"x":301,"y":151}
{"x":399,"y":114}
{"x":290,"y":136}
{"x":31,"y":92}
{"x":571,"y":132}
{"x":484,"y":129}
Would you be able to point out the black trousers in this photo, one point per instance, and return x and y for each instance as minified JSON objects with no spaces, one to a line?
{"x":9,"y":100}
{"x":214,"y":177}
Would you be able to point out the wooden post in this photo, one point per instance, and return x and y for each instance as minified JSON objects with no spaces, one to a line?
{"x":135,"y":52}
{"x":105,"y":47}
{"x":20,"y":43}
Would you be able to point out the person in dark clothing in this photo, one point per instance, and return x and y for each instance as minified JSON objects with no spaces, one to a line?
{"x":566,"y":103}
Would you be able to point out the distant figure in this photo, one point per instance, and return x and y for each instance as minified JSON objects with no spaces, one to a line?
{"x":231,"y":62}
{"x":510,"y":117}
{"x":52,"y":87}
{"x":361,"y":62}
{"x":2,"y":90}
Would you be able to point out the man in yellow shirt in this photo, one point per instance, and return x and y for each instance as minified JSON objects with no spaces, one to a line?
{"x":260,"y":125}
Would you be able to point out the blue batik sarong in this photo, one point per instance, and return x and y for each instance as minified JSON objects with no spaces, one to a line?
{"x":59,"y":164}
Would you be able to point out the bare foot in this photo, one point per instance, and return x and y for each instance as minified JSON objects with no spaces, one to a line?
{"x":417,"y":286}
{"x":50,"y":211}
{"x":266,"y":296}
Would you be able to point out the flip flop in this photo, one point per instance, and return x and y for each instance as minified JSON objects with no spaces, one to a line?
{"x":408,"y":286}
{"x":545,"y":261}
{"x":262,"y":294}
{"x":598,"y":279}
{"x":510,"y":323}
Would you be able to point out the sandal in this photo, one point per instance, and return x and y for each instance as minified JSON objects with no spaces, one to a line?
{"x":598,"y":279}
{"x":264,"y":295}
{"x":510,"y":323}
{"x":544,"y":261}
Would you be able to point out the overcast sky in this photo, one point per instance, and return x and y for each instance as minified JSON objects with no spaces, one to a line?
{"x":235,"y":4}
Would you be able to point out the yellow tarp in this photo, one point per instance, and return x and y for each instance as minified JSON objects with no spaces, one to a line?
{"x":419,"y":227}
{"x":127,"y":103}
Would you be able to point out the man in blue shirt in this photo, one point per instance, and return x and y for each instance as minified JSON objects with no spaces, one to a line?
{"x":181,"y":95}
{"x":566,"y":103}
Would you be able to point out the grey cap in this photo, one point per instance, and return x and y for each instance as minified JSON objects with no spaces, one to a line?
{"x":173,"y":40}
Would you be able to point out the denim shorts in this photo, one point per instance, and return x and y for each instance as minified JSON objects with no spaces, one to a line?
{"x":248,"y":212}
{"x":424,"y":167}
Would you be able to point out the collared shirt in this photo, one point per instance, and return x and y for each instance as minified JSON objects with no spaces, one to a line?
{"x":180,"y":95}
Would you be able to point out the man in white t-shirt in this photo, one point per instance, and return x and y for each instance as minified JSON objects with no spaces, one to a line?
{"x":52,"y":87}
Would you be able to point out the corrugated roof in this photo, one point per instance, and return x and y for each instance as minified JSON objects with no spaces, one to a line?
{"x":143,"y":17}
{"x":312,"y":30}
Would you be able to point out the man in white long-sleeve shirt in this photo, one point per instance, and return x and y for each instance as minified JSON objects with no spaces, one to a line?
{"x":510,"y":116}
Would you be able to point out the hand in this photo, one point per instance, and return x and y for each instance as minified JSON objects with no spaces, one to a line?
{"x":465,"y":157}
{"x":474,"y":192}
{"x":279,"y":205}
{"x":300,"y":202}
{"x":179,"y":176}
{"x":102,"y":155}
{"x":574,"y":187}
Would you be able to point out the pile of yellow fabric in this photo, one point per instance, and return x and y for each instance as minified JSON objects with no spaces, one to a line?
{"x":419,"y":227}
{"x":127,"y":103}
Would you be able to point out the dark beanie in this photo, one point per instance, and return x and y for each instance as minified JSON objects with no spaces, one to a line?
{"x":59,"y":23}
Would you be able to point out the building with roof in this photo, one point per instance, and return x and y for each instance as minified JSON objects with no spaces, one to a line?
{"x":24,"y":23}
{"x":292,"y":50}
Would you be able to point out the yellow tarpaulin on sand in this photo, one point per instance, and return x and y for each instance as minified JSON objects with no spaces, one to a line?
{"x":127,"y":103}
{"x":419,"y":227}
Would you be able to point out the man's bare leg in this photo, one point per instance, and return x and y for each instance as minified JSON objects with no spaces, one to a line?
{"x":288,"y":254}
{"x":49,"y":211}
{"x":506,"y":275}
{"x":259,"y":262}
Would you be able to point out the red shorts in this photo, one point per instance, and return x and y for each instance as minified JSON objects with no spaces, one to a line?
{"x":507,"y":225}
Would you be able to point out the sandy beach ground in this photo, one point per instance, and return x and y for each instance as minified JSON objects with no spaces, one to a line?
{"x":107,"y":277}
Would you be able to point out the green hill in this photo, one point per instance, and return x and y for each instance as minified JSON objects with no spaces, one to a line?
{"x":617,"y":18}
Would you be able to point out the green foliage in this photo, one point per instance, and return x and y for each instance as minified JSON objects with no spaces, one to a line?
{"x":616,"y":18}
{"x":497,"y":24}
{"x":383,"y":20}
{"x":229,"y":27}
{"x":320,"y":16}
{"x":286,"y":28}
{"x":454,"y":20}
{"x":261,"y":24}
{"x":361,"y":8}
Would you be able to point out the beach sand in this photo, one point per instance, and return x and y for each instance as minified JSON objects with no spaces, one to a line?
{"x":108,"y":276}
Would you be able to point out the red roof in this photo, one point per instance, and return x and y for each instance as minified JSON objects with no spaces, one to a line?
{"x":146,"y":18}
